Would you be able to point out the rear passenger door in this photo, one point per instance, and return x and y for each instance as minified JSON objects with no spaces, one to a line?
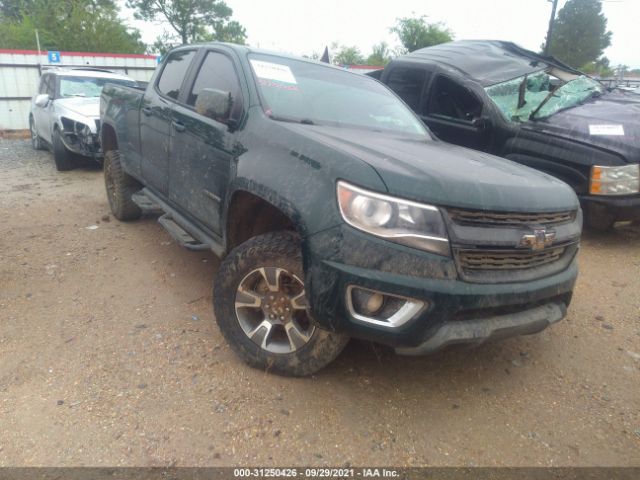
{"x":202,"y":148}
{"x":155,"y":119}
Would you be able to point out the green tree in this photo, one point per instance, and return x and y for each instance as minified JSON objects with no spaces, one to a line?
{"x":380,"y":54}
{"x":580,"y":33}
{"x":347,"y":55}
{"x":12,"y":9}
{"x":415,"y":32}
{"x":191,"y":20}
{"x":81,"y":25}
{"x":600,"y":67}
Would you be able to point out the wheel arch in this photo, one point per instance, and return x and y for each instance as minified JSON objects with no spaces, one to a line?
{"x":108,"y":138}
{"x":266,"y":217}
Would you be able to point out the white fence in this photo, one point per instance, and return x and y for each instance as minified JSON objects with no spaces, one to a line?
{"x":20,"y":74}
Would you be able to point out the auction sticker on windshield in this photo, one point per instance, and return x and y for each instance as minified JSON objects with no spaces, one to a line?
{"x":273,"y":71}
{"x":616,"y":130}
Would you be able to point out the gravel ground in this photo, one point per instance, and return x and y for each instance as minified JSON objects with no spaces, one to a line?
{"x":109,"y":355}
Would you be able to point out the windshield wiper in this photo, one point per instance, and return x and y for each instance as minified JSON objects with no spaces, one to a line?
{"x":533,"y":114}
{"x":522,"y":90}
{"x":282,"y":118}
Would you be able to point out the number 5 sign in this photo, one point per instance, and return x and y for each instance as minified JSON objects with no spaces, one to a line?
{"x":54,"y":57}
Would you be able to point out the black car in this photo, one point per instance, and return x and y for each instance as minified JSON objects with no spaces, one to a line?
{"x":497,"y":97}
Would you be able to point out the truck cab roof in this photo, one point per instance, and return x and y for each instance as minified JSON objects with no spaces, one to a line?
{"x":486,"y":61}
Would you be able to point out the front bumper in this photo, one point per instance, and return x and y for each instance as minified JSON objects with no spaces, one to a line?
{"x":457,"y":311}
{"x":623,"y":208}
{"x":79,"y":139}
{"x":492,"y":328}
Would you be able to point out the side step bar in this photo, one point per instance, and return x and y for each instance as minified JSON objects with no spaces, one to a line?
{"x":180,"y":235}
{"x":145,"y":203}
{"x":182,"y":230}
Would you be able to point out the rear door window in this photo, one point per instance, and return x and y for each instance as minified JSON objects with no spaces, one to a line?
{"x":47,"y":84}
{"x":173,"y":73}
{"x":409,"y":83}
{"x":43,"y":84}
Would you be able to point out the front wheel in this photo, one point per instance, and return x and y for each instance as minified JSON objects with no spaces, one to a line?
{"x":61,"y":155}
{"x":260,"y":306}
{"x":36,"y":141}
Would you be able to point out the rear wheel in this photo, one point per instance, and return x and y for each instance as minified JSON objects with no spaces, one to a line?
{"x":61,"y":155}
{"x":261,"y":309}
{"x":36,"y":141}
{"x":120,"y":188}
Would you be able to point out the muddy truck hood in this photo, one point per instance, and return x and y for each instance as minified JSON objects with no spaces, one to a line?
{"x":438,"y":173}
{"x":611,"y":121}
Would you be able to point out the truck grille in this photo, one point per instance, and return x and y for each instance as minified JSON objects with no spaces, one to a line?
{"x":482,"y":218}
{"x":507,"y":259}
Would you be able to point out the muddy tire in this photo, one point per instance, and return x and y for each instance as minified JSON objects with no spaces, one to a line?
{"x":61,"y":156}
{"x":260,"y":307}
{"x":120,"y":188}
{"x":36,"y":141}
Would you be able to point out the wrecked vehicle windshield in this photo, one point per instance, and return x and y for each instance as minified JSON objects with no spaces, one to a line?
{"x":308,"y":93}
{"x":87,"y":86}
{"x":540,"y":95}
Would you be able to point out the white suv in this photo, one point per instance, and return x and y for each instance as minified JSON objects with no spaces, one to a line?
{"x":65,"y":114}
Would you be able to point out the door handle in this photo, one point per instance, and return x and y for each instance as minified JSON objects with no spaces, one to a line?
{"x":146,"y":111}
{"x":179,"y":126}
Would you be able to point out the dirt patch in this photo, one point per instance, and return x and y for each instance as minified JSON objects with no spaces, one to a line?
{"x":110,"y":356}
{"x":14,"y":134}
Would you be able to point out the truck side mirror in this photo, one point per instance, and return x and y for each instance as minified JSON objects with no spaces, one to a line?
{"x":215,"y":104}
{"x":42,"y":100}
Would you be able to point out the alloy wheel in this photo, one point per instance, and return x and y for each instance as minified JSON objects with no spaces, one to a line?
{"x":271,"y":308}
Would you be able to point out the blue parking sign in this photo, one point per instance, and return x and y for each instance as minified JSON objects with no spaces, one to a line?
{"x":54,"y":57}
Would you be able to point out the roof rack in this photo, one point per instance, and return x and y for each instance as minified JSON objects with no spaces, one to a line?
{"x":92,"y":69}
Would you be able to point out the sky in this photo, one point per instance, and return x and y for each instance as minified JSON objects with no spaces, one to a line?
{"x":302,"y":27}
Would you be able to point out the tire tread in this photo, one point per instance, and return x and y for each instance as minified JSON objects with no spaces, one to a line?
{"x":324,"y":346}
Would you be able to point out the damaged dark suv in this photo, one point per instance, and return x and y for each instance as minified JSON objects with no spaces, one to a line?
{"x":336,"y":212}
{"x":502,"y":99}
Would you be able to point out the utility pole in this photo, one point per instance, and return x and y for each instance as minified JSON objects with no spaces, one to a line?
{"x":39,"y":54}
{"x":550,"y":30}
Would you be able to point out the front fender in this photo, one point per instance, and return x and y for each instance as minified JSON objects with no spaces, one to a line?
{"x":294,"y":173}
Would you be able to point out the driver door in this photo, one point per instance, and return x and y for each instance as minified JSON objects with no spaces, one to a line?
{"x":203,"y":149}
{"x":454,"y":114}
{"x":42,"y":115}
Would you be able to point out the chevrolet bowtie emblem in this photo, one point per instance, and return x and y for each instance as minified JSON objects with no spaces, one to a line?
{"x":538,"y":240}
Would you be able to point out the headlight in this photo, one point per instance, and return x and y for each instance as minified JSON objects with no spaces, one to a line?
{"x":401,"y":221}
{"x":623,"y":180}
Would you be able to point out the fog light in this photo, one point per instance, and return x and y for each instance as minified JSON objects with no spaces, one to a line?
{"x":381,"y":308}
{"x":374,"y":304}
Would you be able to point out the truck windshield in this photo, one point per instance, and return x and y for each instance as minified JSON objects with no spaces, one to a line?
{"x":541,"y":95}
{"x":309,"y":93}
{"x":88,"y":86}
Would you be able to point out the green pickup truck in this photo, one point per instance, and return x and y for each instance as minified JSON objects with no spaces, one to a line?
{"x":338,"y":214}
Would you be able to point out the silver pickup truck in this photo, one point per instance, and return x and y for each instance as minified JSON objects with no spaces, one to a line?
{"x":65,"y":113}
